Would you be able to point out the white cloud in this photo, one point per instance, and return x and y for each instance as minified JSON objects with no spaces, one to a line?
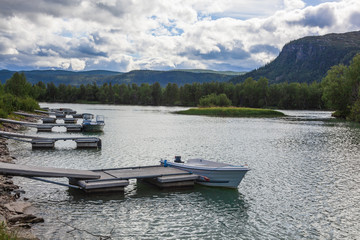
{"x":123,"y":35}
{"x":77,"y":64}
{"x":293,"y":4}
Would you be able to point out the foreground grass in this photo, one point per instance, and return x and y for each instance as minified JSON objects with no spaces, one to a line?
{"x":232,"y":112}
{"x":6,"y":234}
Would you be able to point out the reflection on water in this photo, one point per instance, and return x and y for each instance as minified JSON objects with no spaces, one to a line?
{"x":304,"y":182}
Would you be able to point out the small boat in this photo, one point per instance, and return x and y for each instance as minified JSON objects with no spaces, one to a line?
{"x":211,"y":173}
{"x":90,"y":124}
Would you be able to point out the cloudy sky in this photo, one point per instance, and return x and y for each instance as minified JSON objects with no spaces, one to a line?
{"x":124,"y":35}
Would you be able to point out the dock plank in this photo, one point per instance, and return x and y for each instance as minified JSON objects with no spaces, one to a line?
{"x":35,"y":171}
{"x":148,"y":172}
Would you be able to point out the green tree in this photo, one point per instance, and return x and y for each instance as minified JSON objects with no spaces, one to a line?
{"x":17,"y":85}
{"x":336,"y":93}
{"x":262,"y":91}
{"x":145,"y":97}
{"x":171,"y":95}
{"x":38,"y":91}
{"x":156,"y":93}
{"x":51,"y":92}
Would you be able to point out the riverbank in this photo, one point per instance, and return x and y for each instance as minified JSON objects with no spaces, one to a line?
{"x":15,"y":210}
{"x":232,"y":112}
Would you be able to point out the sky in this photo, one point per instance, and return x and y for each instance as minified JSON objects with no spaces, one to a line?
{"x":125,"y":35}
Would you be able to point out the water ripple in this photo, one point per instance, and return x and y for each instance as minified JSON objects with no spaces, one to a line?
{"x":304,"y":182}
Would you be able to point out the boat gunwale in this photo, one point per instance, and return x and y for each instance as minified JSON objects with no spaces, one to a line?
{"x":204,"y":168}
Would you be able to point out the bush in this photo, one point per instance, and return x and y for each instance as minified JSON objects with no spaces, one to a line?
{"x":213,"y":100}
{"x":355,"y":112}
{"x":10,"y":103}
{"x":28,"y":104}
{"x":3,"y":114}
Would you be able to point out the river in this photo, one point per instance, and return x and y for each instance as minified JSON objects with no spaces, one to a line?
{"x":304,"y":181}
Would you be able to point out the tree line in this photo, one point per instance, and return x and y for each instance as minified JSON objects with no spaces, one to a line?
{"x":338,"y":91}
{"x":341,"y":90}
{"x":250,"y":93}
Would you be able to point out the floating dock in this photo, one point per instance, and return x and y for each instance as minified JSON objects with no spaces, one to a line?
{"x":105,"y":180}
{"x":70,"y":120}
{"x":42,"y":142}
{"x":45,"y":127}
{"x":61,"y":114}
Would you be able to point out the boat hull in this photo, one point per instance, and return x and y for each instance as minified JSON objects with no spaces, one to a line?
{"x":92,"y":128}
{"x":228,"y":177}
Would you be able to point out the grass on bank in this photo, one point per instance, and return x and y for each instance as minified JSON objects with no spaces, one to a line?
{"x":6,"y":234}
{"x":232,"y":112}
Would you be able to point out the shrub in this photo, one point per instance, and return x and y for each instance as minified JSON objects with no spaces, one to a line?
{"x":213,"y":100}
{"x":10,"y":103}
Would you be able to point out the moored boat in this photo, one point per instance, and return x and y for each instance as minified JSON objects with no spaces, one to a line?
{"x":90,"y":124}
{"x":211,"y":173}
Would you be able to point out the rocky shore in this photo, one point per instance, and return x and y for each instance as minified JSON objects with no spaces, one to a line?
{"x":15,"y":210}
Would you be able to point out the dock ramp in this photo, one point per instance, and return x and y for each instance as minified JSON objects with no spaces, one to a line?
{"x":105,"y":180}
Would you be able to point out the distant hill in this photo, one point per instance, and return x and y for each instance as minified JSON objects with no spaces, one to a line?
{"x":180,"y":77}
{"x":308,"y":59}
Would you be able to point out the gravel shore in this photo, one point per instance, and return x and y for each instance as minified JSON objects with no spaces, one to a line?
{"x":15,"y":210}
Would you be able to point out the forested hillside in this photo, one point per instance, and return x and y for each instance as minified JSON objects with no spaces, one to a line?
{"x":308,"y":59}
{"x":138,"y":77}
{"x":250,"y":93}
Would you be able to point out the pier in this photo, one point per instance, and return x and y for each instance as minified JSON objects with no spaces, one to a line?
{"x":42,"y":142}
{"x":104,"y":180}
{"x":45,"y":127}
{"x":49,"y":119}
{"x":60,"y":113}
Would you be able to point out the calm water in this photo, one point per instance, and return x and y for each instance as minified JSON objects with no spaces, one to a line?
{"x":304,"y":182}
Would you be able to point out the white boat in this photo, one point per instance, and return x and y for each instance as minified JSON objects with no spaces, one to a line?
{"x":211,"y":173}
{"x":90,"y":124}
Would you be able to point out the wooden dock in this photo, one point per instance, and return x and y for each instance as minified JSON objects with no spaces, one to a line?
{"x":105,"y":180}
{"x":42,"y":142}
{"x":35,"y":171}
{"x":44,"y":119}
{"x":60,"y":114}
{"x":45,"y":127}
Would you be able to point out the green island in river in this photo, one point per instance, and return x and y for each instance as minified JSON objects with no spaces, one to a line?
{"x":232,"y":112}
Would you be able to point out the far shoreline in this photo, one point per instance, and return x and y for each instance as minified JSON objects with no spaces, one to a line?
{"x":232,"y":112}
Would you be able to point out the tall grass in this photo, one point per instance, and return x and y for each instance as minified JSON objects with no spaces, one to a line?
{"x":5,"y":234}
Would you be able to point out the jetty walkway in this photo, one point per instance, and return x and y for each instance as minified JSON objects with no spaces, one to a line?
{"x":45,"y":127}
{"x":48,"y":119}
{"x":43,"y":142}
{"x":104,"y":180}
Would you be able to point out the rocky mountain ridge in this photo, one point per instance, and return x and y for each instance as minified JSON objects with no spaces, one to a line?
{"x":308,"y":59}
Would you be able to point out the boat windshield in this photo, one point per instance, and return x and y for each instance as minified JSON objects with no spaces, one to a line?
{"x":99,"y":118}
{"x":87,"y":116}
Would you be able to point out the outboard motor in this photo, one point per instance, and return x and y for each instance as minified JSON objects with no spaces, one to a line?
{"x":178,"y":159}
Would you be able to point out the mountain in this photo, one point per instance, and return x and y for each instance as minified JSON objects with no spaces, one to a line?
{"x":308,"y":59}
{"x":180,"y":77}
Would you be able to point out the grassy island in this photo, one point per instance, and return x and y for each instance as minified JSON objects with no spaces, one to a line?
{"x":232,"y":112}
